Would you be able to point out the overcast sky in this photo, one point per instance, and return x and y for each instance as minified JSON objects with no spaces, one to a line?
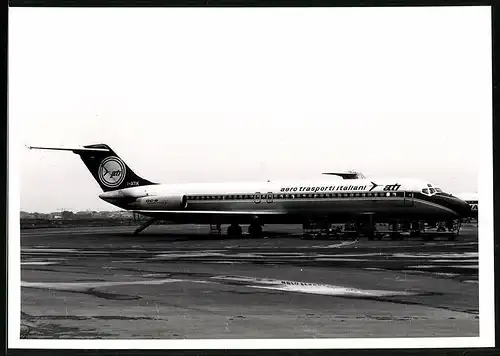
{"x":192,"y":95}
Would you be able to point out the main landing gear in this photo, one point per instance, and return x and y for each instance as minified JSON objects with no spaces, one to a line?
{"x":234,"y":230}
{"x":254,"y":230}
{"x":365,"y":226}
{"x":145,"y":225}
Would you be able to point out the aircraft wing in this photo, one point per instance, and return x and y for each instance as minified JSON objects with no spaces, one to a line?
{"x":209,"y":212}
{"x":192,"y":216}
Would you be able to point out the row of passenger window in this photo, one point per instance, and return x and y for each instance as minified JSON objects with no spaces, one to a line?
{"x":293,"y":196}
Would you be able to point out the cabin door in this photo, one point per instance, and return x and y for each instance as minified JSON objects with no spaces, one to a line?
{"x":408,"y":198}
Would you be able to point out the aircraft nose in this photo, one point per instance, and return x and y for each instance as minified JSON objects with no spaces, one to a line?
{"x":460,"y":207}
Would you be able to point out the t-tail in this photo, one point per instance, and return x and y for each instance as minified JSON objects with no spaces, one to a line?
{"x":109,"y":170}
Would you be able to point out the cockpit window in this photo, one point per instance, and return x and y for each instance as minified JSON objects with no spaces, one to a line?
{"x":431,"y":190}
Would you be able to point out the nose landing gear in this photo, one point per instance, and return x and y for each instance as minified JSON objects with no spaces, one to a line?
{"x":454,"y":228}
{"x":255,"y":229}
{"x":234,"y":230}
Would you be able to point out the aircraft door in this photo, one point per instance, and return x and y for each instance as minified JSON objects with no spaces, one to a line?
{"x":269,"y":197}
{"x":408,"y":198}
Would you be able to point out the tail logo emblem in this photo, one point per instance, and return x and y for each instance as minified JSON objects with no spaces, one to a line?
{"x":112,"y":172}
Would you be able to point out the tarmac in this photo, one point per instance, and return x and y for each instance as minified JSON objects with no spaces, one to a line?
{"x":176,"y":282}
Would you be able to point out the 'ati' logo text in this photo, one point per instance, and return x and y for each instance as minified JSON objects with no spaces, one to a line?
{"x":392,"y":187}
{"x":112,"y":172}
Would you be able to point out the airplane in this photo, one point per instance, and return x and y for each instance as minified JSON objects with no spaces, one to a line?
{"x":331,"y":199}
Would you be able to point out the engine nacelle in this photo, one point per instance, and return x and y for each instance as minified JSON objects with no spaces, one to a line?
{"x":171,"y":202}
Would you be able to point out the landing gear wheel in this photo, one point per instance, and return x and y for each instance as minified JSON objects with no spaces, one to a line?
{"x":234,"y":230}
{"x":255,"y":230}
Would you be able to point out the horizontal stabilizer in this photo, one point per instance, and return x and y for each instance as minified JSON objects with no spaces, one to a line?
{"x":109,"y":170}
{"x":74,"y":149}
{"x":349,"y":175}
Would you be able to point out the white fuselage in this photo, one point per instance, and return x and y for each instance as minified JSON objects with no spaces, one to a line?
{"x":325,"y":197}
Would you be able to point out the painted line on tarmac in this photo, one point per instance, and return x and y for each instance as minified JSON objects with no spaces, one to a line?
{"x":448,"y":255}
{"x":168,"y":256}
{"x":79,"y":231}
{"x":88,"y":285}
{"x":336,"y":291}
{"x":340,"y":259}
{"x":453,"y":261}
{"x":55,"y":250}
{"x":342,"y":244}
{"x":310,"y":288}
{"x":441,"y":266}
